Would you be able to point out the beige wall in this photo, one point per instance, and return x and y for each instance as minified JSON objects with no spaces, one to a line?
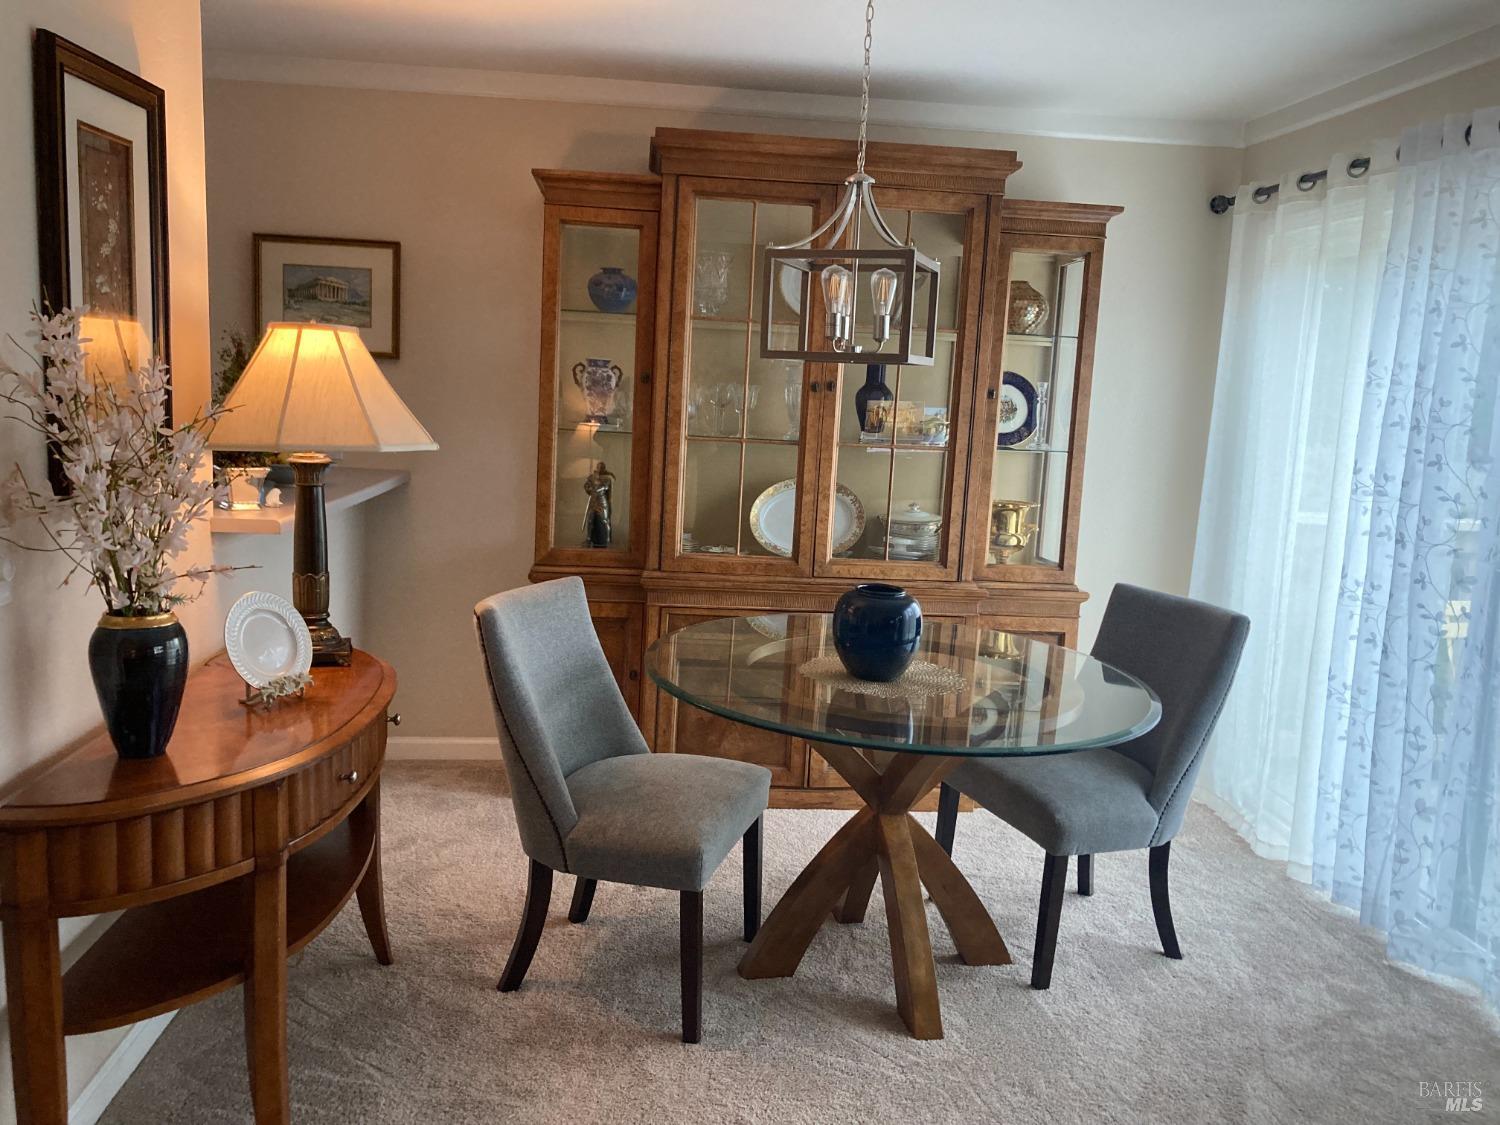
{"x":449,"y":176}
{"x":46,"y":698}
{"x":1307,"y":149}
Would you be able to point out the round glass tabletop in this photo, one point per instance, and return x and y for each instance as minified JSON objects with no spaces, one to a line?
{"x":969,"y":691}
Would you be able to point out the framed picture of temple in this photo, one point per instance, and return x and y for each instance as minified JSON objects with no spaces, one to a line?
{"x":353,"y":281}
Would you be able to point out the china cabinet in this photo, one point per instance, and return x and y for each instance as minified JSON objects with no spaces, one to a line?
{"x":685,"y":477}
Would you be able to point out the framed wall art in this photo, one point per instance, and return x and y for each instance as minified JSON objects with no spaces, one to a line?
{"x":355,"y":281}
{"x":101,"y":178}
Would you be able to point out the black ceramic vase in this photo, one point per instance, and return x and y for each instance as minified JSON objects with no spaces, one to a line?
{"x":876,"y":629}
{"x":140,"y":667}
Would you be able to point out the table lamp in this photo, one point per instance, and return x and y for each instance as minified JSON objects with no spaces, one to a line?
{"x":315,"y":387}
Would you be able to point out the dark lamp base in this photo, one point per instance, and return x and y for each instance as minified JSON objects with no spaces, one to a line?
{"x":330,"y":647}
{"x":310,"y":562}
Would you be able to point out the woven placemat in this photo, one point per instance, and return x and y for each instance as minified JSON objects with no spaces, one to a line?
{"x":921,"y":679}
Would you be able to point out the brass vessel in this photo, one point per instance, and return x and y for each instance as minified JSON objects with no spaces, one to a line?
{"x":1010,"y":527}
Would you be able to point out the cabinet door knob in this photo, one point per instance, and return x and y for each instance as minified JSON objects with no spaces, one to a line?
{"x":351,"y":777}
{"x":394,"y":720}
{"x":634,"y":675}
{"x":990,"y":394}
{"x":645,"y":378}
{"x":813,"y":386}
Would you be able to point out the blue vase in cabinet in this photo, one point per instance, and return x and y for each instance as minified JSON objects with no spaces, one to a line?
{"x":612,"y":289}
{"x":876,"y":628}
{"x":872,"y":403}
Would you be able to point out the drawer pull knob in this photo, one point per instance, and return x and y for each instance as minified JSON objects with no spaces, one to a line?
{"x":352,"y":776}
{"x":394,"y":720}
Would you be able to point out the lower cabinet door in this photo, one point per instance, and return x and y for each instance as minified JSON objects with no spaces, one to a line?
{"x":621,"y":629}
{"x":682,"y":729}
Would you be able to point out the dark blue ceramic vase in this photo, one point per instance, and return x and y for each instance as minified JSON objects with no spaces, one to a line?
{"x":140,"y":667}
{"x":876,"y":629}
{"x":872,"y":423}
{"x":612,"y":289}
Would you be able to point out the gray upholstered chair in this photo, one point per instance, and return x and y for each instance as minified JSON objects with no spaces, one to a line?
{"x":591,"y":799}
{"x":1125,"y":797}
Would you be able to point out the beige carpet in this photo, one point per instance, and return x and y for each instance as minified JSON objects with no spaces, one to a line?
{"x":1283,"y":1009}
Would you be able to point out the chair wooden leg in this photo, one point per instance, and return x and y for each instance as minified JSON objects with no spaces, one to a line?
{"x":1161,"y":905}
{"x":947,"y":818}
{"x":750,"y":848}
{"x":538,"y":897}
{"x":1085,"y":875}
{"x":583,"y":900}
{"x":1048,"y":915}
{"x":690,"y":931}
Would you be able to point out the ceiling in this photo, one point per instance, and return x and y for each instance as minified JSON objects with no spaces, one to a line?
{"x":1165,"y":60}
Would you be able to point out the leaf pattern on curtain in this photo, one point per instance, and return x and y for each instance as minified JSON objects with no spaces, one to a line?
{"x":1362,"y":536}
{"x":1407,"y":825}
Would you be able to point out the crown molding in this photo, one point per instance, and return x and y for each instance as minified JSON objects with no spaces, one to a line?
{"x":352,"y":74}
{"x":1417,"y":71}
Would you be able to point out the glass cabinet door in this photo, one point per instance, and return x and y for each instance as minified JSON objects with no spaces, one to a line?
{"x":599,"y":270}
{"x":898,"y":435}
{"x":1034,"y":410}
{"x":737,"y":420}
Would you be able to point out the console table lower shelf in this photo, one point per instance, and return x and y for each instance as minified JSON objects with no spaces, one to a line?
{"x":227,"y":855}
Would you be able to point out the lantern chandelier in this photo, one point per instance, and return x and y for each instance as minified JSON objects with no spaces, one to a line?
{"x":894,"y":272}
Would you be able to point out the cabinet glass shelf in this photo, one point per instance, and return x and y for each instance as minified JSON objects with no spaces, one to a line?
{"x":1026,"y":339}
{"x":594,"y":316}
{"x":725,"y":324}
{"x":899,"y":447}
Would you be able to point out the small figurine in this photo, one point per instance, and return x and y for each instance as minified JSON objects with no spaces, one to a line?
{"x":596,"y":517}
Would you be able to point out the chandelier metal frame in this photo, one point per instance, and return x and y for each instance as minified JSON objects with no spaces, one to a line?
{"x":827,"y":334}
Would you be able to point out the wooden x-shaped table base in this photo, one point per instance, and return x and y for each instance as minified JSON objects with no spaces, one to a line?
{"x":883,"y":837}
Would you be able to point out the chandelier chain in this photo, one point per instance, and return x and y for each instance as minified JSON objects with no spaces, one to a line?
{"x":864,"y":88}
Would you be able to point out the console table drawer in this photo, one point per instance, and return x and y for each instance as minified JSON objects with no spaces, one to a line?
{"x":321,"y":791}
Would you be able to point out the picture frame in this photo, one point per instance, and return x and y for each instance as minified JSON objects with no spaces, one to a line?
{"x":353,"y":281}
{"x":101,"y":185}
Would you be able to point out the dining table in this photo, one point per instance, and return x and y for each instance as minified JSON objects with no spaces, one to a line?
{"x":969,"y":693}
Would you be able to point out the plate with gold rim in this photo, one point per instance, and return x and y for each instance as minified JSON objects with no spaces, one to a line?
{"x":773,"y":518}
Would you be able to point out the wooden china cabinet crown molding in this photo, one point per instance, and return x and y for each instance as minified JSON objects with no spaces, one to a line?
{"x":1041,"y":216}
{"x":829,"y":160}
{"x":626,"y":191}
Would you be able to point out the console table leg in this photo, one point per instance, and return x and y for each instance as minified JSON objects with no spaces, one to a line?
{"x":265,"y":979}
{"x":370,"y":892}
{"x":33,"y":977}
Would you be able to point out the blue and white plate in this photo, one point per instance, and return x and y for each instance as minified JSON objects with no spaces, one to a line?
{"x":1017,"y":420}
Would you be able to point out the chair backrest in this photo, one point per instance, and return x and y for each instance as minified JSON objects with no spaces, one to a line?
{"x":1187,"y":652}
{"x":557,"y":706}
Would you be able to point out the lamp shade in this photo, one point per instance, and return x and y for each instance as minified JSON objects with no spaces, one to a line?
{"x":114,"y":347}
{"x":316,"y":387}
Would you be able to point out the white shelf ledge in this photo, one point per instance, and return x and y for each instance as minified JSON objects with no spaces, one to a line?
{"x":344,"y":489}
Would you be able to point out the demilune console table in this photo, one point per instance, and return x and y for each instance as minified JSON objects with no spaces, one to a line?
{"x":227,"y":854}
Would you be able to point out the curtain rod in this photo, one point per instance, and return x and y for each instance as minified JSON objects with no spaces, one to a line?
{"x":1219,"y":204}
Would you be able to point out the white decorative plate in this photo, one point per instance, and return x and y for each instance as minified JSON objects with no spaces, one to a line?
{"x":773,"y":518}
{"x":266,"y":638}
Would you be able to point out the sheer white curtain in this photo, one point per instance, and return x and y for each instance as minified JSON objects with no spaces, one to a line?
{"x":1303,"y":274}
{"x":1363,"y":741}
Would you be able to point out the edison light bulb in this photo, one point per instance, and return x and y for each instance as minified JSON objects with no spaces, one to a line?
{"x":838,"y":300}
{"x":883,"y":286}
